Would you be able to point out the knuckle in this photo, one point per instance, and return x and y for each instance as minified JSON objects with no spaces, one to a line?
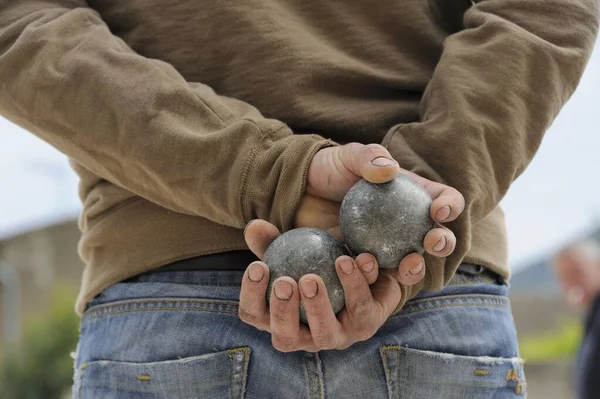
{"x":373,"y":147}
{"x":354,"y":146}
{"x":324,"y":340}
{"x":248,"y":317}
{"x":361,"y":308}
{"x":364,"y":333}
{"x":284,"y":343}
{"x":279,"y":315}
{"x":458,"y":196}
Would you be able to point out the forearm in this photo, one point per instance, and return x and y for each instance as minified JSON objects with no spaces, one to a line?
{"x":136,"y":122}
{"x":498,"y":86}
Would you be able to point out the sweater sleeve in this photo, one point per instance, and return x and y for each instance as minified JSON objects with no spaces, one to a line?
{"x":137,"y":123}
{"x":498,"y":86}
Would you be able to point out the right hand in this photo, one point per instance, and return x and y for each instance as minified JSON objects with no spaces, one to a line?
{"x":334,"y":170}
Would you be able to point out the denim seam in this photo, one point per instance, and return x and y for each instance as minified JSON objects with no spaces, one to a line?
{"x":119,"y":307}
{"x":82,"y":371}
{"x":388,"y":374}
{"x":464,"y":296}
{"x":188,"y":283}
{"x":307,"y":373}
{"x":321,"y":377}
{"x":163,"y":299}
{"x":424,"y":309}
{"x":145,"y":309}
{"x":107,"y":307}
{"x":240,"y":375}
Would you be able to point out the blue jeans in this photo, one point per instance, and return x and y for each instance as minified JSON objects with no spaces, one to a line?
{"x":177,"y":335}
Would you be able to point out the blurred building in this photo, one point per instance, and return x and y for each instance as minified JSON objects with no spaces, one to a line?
{"x":32,"y":266}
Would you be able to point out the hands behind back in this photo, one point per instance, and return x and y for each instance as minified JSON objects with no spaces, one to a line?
{"x":371,"y":294}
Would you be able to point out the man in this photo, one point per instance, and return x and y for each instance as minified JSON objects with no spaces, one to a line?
{"x":578,"y":270}
{"x":186,"y":120}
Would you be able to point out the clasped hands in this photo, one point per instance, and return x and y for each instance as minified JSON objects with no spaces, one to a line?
{"x":371,"y":294}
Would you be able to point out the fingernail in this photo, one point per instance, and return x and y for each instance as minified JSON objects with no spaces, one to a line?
{"x":248,"y":224}
{"x":416,"y":270}
{"x":383,"y":161}
{"x":255,"y":272}
{"x":347,"y":266}
{"x":283,"y":290}
{"x":443,"y":213}
{"x":440,"y":245}
{"x":309,"y":288}
{"x":368,"y":267}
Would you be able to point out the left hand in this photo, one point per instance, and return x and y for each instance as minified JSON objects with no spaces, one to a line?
{"x":366,"y":308}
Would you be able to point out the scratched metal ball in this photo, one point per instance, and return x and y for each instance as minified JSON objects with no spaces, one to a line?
{"x":389,"y":220}
{"x":307,"y":250}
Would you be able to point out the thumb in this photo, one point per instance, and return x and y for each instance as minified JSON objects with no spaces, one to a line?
{"x":259,"y":234}
{"x":334,"y":170}
{"x":372,"y":162}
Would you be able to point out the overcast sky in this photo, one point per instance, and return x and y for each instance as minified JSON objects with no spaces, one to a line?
{"x":555,"y":200}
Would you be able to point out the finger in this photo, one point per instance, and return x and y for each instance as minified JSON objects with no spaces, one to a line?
{"x":253,"y":305}
{"x":317,"y":212}
{"x":367,"y":264}
{"x":373,"y":162}
{"x":286,"y":334}
{"x":439,"y":242}
{"x":359,"y":301}
{"x":259,"y":234}
{"x":411,"y":270}
{"x":447,"y":204}
{"x":387,"y":293}
{"x":325,"y":329}
{"x":336,"y":232}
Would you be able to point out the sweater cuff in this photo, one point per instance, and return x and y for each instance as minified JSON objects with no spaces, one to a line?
{"x":410,"y":291}
{"x":293,"y":183}
{"x":276,"y":176}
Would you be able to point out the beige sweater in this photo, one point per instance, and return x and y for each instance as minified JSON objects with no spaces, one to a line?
{"x":186,"y":119}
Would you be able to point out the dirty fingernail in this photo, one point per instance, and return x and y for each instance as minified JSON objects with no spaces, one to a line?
{"x":383,"y":161}
{"x":256,"y":273}
{"x":416,"y":270}
{"x":283,"y":290}
{"x":368,"y":267}
{"x":347,"y":266}
{"x":309,"y":288}
{"x":443,"y":213}
{"x":440,"y":245}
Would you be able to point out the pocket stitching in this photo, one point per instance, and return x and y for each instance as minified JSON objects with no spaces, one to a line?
{"x":243,"y":372}
{"x":238,"y":367}
{"x":516,"y":365}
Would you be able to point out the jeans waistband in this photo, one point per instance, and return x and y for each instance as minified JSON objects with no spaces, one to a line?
{"x":186,"y":272}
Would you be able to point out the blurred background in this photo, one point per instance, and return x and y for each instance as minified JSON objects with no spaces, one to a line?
{"x":554,"y":204}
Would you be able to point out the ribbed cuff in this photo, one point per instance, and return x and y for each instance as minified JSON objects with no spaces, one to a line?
{"x":403,"y":299}
{"x":293,"y":188}
{"x":411,"y":291}
{"x":276,"y":176}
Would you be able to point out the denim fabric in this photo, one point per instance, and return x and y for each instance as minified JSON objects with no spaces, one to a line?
{"x":177,"y":335}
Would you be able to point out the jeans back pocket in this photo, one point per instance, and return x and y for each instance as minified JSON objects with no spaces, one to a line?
{"x":419,"y":374}
{"x":211,"y":376}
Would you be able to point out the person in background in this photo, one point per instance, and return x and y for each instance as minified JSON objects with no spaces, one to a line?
{"x":578,"y":270}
